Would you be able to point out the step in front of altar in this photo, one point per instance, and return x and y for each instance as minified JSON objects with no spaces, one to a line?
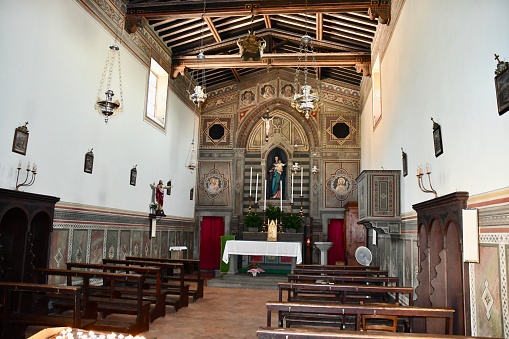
{"x":262,"y":281}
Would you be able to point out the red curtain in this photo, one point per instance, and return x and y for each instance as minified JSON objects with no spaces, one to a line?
{"x":212,"y":228}
{"x":336,"y":231}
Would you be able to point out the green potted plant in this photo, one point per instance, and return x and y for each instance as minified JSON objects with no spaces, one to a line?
{"x":252,"y":222}
{"x":292,"y":223}
{"x":273,"y":213}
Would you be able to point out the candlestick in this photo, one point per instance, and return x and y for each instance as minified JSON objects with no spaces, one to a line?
{"x":250,"y":180}
{"x":301,"y":176}
{"x":281,"y":195}
{"x":265,"y":197}
{"x":256,"y":189}
{"x":292,"y":189}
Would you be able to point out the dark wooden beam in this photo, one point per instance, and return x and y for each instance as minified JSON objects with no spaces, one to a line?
{"x":221,"y":8}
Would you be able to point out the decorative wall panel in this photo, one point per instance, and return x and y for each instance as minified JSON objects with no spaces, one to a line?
{"x":341,"y":128}
{"x":216,"y":132}
{"x":340,"y":182}
{"x":214,"y":183}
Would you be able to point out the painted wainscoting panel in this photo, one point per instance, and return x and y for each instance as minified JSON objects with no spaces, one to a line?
{"x":490,"y":291}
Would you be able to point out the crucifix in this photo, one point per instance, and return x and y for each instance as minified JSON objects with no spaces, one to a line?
{"x":267,"y":119}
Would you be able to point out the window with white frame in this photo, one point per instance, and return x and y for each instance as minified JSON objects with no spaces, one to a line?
{"x":157,"y":94}
{"x":377,"y":92}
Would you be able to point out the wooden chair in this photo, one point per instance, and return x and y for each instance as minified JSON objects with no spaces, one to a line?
{"x":376,"y":322}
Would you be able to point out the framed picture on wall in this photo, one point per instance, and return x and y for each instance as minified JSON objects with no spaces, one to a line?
{"x":89,"y":161}
{"x":437,"y":139}
{"x":20,"y":142}
{"x":502,"y":89}
{"x":134,"y":174}
{"x":404,"y":162}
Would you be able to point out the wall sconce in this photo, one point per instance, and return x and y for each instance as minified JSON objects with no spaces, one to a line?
{"x":27,"y":182}
{"x":314,"y":169}
{"x":419,"y":180}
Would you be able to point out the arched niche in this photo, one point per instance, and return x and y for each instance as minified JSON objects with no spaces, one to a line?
{"x":251,"y":126}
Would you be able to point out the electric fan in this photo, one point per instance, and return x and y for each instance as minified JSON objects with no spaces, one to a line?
{"x":363,"y":255}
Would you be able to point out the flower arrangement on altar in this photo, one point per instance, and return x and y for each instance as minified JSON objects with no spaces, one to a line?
{"x":254,"y":269}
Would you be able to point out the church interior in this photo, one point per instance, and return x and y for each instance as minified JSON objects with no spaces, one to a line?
{"x":166,"y":128}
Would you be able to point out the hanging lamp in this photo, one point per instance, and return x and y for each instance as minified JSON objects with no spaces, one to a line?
{"x":305,"y":99}
{"x":199,"y":96}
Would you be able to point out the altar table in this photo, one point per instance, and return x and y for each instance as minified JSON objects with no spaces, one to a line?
{"x":265,"y":248}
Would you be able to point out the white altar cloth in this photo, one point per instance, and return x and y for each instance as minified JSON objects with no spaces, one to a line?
{"x":267,"y":248}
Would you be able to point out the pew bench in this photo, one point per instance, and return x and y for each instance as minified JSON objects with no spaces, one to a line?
{"x":342,"y":293}
{"x":177,"y":291}
{"x":338,"y":279}
{"x":315,"y":271}
{"x":325,"y":333}
{"x":92,"y":305}
{"x":338,"y":267}
{"x":192,"y":273}
{"x":17,"y":315}
{"x":156,"y":296}
{"x":329,"y":310}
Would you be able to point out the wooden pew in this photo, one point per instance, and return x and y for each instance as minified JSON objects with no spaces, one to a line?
{"x":338,"y":267}
{"x":314,"y":271}
{"x":156,"y":296}
{"x":291,"y":308}
{"x":326,"y":333}
{"x":339,"y":279}
{"x":112,"y":304}
{"x":177,"y":290}
{"x":191,"y":271}
{"x":15,"y":320}
{"x":341,"y":292}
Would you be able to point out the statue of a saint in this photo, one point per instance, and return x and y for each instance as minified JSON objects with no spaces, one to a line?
{"x":276,"y":178}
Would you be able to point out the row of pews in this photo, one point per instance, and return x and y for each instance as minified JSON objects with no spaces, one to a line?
{"x":329,"y":301}
{"x":89,"y":296}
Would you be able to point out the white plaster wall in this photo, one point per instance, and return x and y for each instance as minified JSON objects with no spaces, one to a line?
{"x":440,"y":63}
{"x":52,"y":58}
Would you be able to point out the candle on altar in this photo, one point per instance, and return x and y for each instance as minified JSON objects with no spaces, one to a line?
{"x":256,"y":189}
{"x":281,"y":195}
{"x":265,"y":197}
{"x":292,"y":188}
{"x":250,"y":180}
{"x":301,"y":176}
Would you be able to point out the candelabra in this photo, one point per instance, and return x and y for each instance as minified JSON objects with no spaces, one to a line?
{"x":27,"y":182}
{"x":249,"y":209}
{"x":421,"y":185}
{"x":301,"y":210}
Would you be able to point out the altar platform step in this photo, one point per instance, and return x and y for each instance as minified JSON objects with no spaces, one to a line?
{"x":246,"y":280}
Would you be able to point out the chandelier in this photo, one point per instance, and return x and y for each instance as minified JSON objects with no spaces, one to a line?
{"x":199,"y":96}
{"x":305,"y":99}
{"x":107,"y":107}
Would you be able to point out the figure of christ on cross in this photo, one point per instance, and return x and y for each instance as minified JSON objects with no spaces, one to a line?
{"x":158,"y":194}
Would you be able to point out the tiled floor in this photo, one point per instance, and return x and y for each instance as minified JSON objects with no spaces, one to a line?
{"x":223,"y":313}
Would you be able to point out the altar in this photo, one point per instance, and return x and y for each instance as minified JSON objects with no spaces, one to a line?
{"x":263,"y":248}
